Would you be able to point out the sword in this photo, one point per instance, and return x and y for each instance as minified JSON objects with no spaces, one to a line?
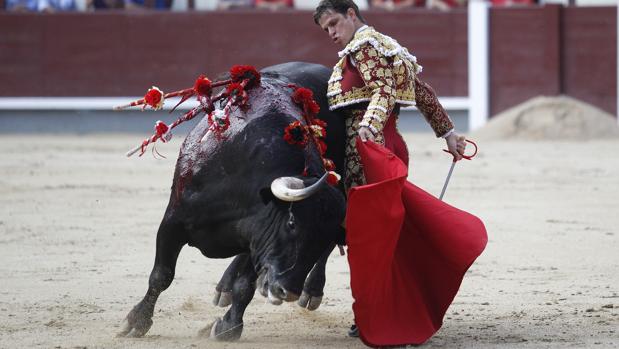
{"x":453,"y":165}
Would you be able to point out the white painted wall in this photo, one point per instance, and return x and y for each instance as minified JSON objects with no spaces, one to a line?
{"x":180,"y":5}
{"x":596,"y":2}
{"x":479,"y":65}
{"x":310,"y":5}
{"x":205,"y":5}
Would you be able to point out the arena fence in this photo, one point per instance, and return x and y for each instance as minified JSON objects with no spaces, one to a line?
{"x":480,"y":61}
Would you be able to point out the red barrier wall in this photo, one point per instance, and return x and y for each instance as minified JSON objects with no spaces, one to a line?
{"x":590,"y":56}
{"x":533,"y":51}
{"x":553,"y":50}
{"x":120,"y":54}
{"x":524,"y":55}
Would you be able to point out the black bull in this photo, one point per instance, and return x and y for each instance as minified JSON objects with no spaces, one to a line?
{"x":221,"y":203}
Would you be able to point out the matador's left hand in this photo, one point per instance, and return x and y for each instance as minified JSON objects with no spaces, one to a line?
{"x":456,"y":145}
{"x":365,"y":134}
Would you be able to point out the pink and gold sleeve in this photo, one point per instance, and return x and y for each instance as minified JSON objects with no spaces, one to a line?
{"x":377,"y":73}
{"x":431,"y":109}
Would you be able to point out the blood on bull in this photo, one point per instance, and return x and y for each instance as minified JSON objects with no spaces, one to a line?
{"x":226,"y":197}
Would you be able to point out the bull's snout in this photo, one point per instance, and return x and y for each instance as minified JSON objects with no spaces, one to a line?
{"x":273,"y":290}
{"x":278,"y":293}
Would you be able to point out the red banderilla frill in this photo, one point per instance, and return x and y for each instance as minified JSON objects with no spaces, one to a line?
{"x":242,"y":77}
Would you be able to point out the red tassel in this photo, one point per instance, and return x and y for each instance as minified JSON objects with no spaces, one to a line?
{"x":203,"y":86}
{"x":154,"y":98}
{"x":333,"y":178}
{"x":161,"y":130}
{"x":239,"y":73}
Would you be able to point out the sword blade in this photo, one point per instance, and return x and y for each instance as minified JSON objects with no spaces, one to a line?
{"x":451,"y":169}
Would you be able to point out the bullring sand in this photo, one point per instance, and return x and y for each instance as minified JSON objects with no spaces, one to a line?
{"x":78,"y":223}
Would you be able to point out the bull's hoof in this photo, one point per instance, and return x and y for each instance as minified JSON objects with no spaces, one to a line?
{"x":136,"y":324}
{"x":222,"y":299}
{"x":221,"y":331}
{"x":309,"y":302}
{"x":208,"y":330}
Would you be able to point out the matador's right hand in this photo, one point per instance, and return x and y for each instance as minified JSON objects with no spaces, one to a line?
{"x":456,"y":145}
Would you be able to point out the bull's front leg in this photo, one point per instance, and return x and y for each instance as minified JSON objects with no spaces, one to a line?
{"x":169,"y":244}
{"x":313,"y":289}
{"x":223,"y":290}
{"x":231,"y":326}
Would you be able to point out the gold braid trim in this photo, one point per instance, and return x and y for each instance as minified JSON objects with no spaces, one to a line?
{"x":402,"y":65}
{"x":389,"y":72}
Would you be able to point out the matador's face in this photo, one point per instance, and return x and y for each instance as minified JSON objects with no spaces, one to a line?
{"x":341,"y":28}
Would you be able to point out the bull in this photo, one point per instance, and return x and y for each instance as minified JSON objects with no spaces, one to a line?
{"x":222,"y":202}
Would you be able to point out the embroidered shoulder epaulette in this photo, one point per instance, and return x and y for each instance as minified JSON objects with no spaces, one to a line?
{"x":404,"y":69}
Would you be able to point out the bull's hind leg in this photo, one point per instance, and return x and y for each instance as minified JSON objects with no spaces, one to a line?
{"x":231,"y":326}
{"x":313,"y":289}
{"x":169,"y":244}
{"x":223,"y":290}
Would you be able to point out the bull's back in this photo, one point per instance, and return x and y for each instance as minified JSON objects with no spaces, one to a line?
{"x":273,"y":98}
{"x":310,"y":75}
{"x":315,"y":77}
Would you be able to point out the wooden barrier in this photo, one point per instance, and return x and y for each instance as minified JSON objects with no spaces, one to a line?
{"x":553,"y":50}
{"x":589,"y":52}
{"x":121,"y":54}
{"x":533,"y":51}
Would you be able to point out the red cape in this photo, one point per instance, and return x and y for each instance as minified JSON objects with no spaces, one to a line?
{"x":407,"y":250}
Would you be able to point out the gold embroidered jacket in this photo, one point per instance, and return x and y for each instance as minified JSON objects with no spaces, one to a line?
{"x":389,"y":76}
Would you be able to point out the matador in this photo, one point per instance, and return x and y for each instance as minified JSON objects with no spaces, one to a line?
{"x":374,"y":76}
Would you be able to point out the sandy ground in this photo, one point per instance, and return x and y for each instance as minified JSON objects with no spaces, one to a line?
{"x":78,"y":223}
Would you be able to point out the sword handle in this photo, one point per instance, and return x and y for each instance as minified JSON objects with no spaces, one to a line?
{"x":468,"y":157}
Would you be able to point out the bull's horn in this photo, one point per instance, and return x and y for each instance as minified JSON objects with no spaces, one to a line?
{"x":293,"y":189}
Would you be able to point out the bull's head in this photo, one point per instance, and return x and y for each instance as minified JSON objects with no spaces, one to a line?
{"x":303,"y":217}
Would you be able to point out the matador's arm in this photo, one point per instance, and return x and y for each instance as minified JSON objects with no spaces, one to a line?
{"x":432,"y":110}
{"x":376,"y":72}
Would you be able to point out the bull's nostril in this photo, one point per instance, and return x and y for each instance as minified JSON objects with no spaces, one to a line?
{"x":279,"y":292}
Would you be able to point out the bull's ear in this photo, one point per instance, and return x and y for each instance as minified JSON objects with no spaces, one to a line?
{"x":266,"y":195}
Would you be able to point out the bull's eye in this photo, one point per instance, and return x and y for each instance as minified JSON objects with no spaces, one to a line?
{"x":290,"y":222}
{"x":291,"y":225}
